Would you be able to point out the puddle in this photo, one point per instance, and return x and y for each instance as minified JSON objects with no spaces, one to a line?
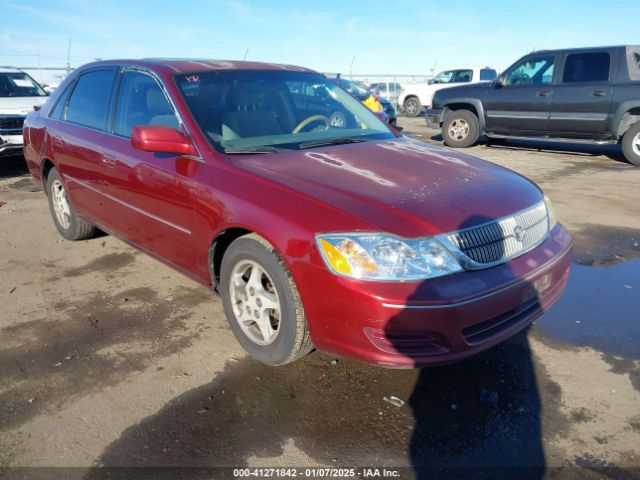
{"x":600,"y":309}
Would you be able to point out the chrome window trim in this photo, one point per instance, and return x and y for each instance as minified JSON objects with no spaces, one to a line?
{"x":176,"y":112}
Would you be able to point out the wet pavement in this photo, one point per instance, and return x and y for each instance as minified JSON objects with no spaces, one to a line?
{"x":600,"y":309}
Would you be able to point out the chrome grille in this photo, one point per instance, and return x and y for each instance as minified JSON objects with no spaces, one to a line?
{"x":11,"y":124}
{"x":501,"y":240}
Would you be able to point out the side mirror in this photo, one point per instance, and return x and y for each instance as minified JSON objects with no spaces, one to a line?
{"x":431,"y":82}
{"x":160,"y":139}
{"x":500,"y":81}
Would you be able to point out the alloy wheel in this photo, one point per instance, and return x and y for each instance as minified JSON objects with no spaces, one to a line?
{"x":61,"y":205}
{"x":255,"y":301}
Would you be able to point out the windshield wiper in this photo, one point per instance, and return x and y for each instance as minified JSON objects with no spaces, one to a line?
{"x":253,"y":150}
{"x":332,"y":141}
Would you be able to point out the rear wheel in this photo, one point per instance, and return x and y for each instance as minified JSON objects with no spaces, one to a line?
{"x":64,"y":215}
{"x":631,"y":144}
{"x":412,"y":107}
{"x":460,"y":129}
{"x":262,"y":303}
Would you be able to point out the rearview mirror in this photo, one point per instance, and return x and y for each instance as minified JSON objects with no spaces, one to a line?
{"x":160,"y":139}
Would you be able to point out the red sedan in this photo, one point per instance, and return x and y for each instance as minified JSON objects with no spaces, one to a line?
{"x":341,"y":236}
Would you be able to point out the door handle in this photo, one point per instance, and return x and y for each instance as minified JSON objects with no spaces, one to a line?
{"x":544,"y":93}
{"x":598,"y":93}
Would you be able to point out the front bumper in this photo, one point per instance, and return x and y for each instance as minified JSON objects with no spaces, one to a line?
{"x":433,"y":117}
{"x":11,"y":144}
{"x":413,"y":324}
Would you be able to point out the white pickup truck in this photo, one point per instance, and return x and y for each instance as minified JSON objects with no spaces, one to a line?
{"x":19,"y":94}
{"x":414,"y":98}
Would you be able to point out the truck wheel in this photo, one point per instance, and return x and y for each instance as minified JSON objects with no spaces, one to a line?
{"x":64,"y":215}
{"x":460,"y":129}
{"x":412,"y":107}
{"x":261,"y":302}
{"x":631,"y":144}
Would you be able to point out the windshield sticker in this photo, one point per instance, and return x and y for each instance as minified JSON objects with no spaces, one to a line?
{"x":22,"y":82}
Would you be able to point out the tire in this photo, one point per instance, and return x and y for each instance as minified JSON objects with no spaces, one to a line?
{"x":284,"y":335}
{"x":412,"y":107}
{"x":631,"y":144}
{"x":64,"y":214}
{"x":460,"y":129}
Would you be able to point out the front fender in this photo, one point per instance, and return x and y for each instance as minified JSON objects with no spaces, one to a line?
{"x":457,"y":103}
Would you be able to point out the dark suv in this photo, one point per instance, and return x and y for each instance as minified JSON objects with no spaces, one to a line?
{"x":588,"y":94}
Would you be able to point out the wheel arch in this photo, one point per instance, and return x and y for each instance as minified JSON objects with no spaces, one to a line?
{"x":627,"y":114}
{"x":46,"y":166}
{"x":472,"y":104}
{"x":219,"y":246}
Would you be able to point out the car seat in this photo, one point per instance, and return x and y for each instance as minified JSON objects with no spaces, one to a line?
{"x":249,"y":117}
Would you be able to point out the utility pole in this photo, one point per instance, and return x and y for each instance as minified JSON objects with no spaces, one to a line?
{"x":351,"y":67}
{"x":246,"y":52}
{"x":69,"y":58}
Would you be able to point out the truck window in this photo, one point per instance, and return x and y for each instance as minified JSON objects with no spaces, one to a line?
{"x":488,"y":74}
{"x":462,"y":76}
{"x":586,"y":67}
{"x":538,"y":71}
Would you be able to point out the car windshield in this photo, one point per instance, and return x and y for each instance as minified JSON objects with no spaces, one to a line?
{"x":264,"y":111}
{"x":19,"y":84}
{"x":352,"y":87}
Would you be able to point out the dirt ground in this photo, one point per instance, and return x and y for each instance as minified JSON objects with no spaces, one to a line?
{"x":111,"y":359}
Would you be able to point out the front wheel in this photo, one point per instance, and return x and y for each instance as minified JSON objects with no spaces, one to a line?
{"x":64,"y":215}
{"x":631,"y":144}
{"x":460,"y":129}
{"x":261,"y":302}
{"x":412,"y":107}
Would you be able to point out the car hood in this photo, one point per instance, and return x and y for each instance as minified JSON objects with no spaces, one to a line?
{"x":400,"y":186}
{"x":474,"y":90}
{"x":19,"y":105}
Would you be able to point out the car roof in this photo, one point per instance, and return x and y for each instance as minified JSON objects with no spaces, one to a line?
{"x":581,"y":49}
{"x":193,"y":65}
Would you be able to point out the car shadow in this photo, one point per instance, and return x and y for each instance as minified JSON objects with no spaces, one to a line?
{"x":478,"y":418}
{"x":12,"y":166}
{"x":577,"y":149}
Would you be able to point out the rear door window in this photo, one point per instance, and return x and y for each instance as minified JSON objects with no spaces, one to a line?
{"x":90,"y":99}
{"x":587,"y":67}
{"x":462,"y":76}
{"x":141,"y":101}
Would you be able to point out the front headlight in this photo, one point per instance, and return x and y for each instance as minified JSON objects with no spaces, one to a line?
{"x":550,"y":213}
{"x":377,"y":256}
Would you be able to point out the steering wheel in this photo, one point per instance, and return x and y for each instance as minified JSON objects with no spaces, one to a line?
{"x":312,"y":118}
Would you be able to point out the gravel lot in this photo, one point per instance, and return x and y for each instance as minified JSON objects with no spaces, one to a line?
{"x":109,"y":358}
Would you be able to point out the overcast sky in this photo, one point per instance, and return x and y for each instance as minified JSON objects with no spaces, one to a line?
{"x":401,"y":37}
